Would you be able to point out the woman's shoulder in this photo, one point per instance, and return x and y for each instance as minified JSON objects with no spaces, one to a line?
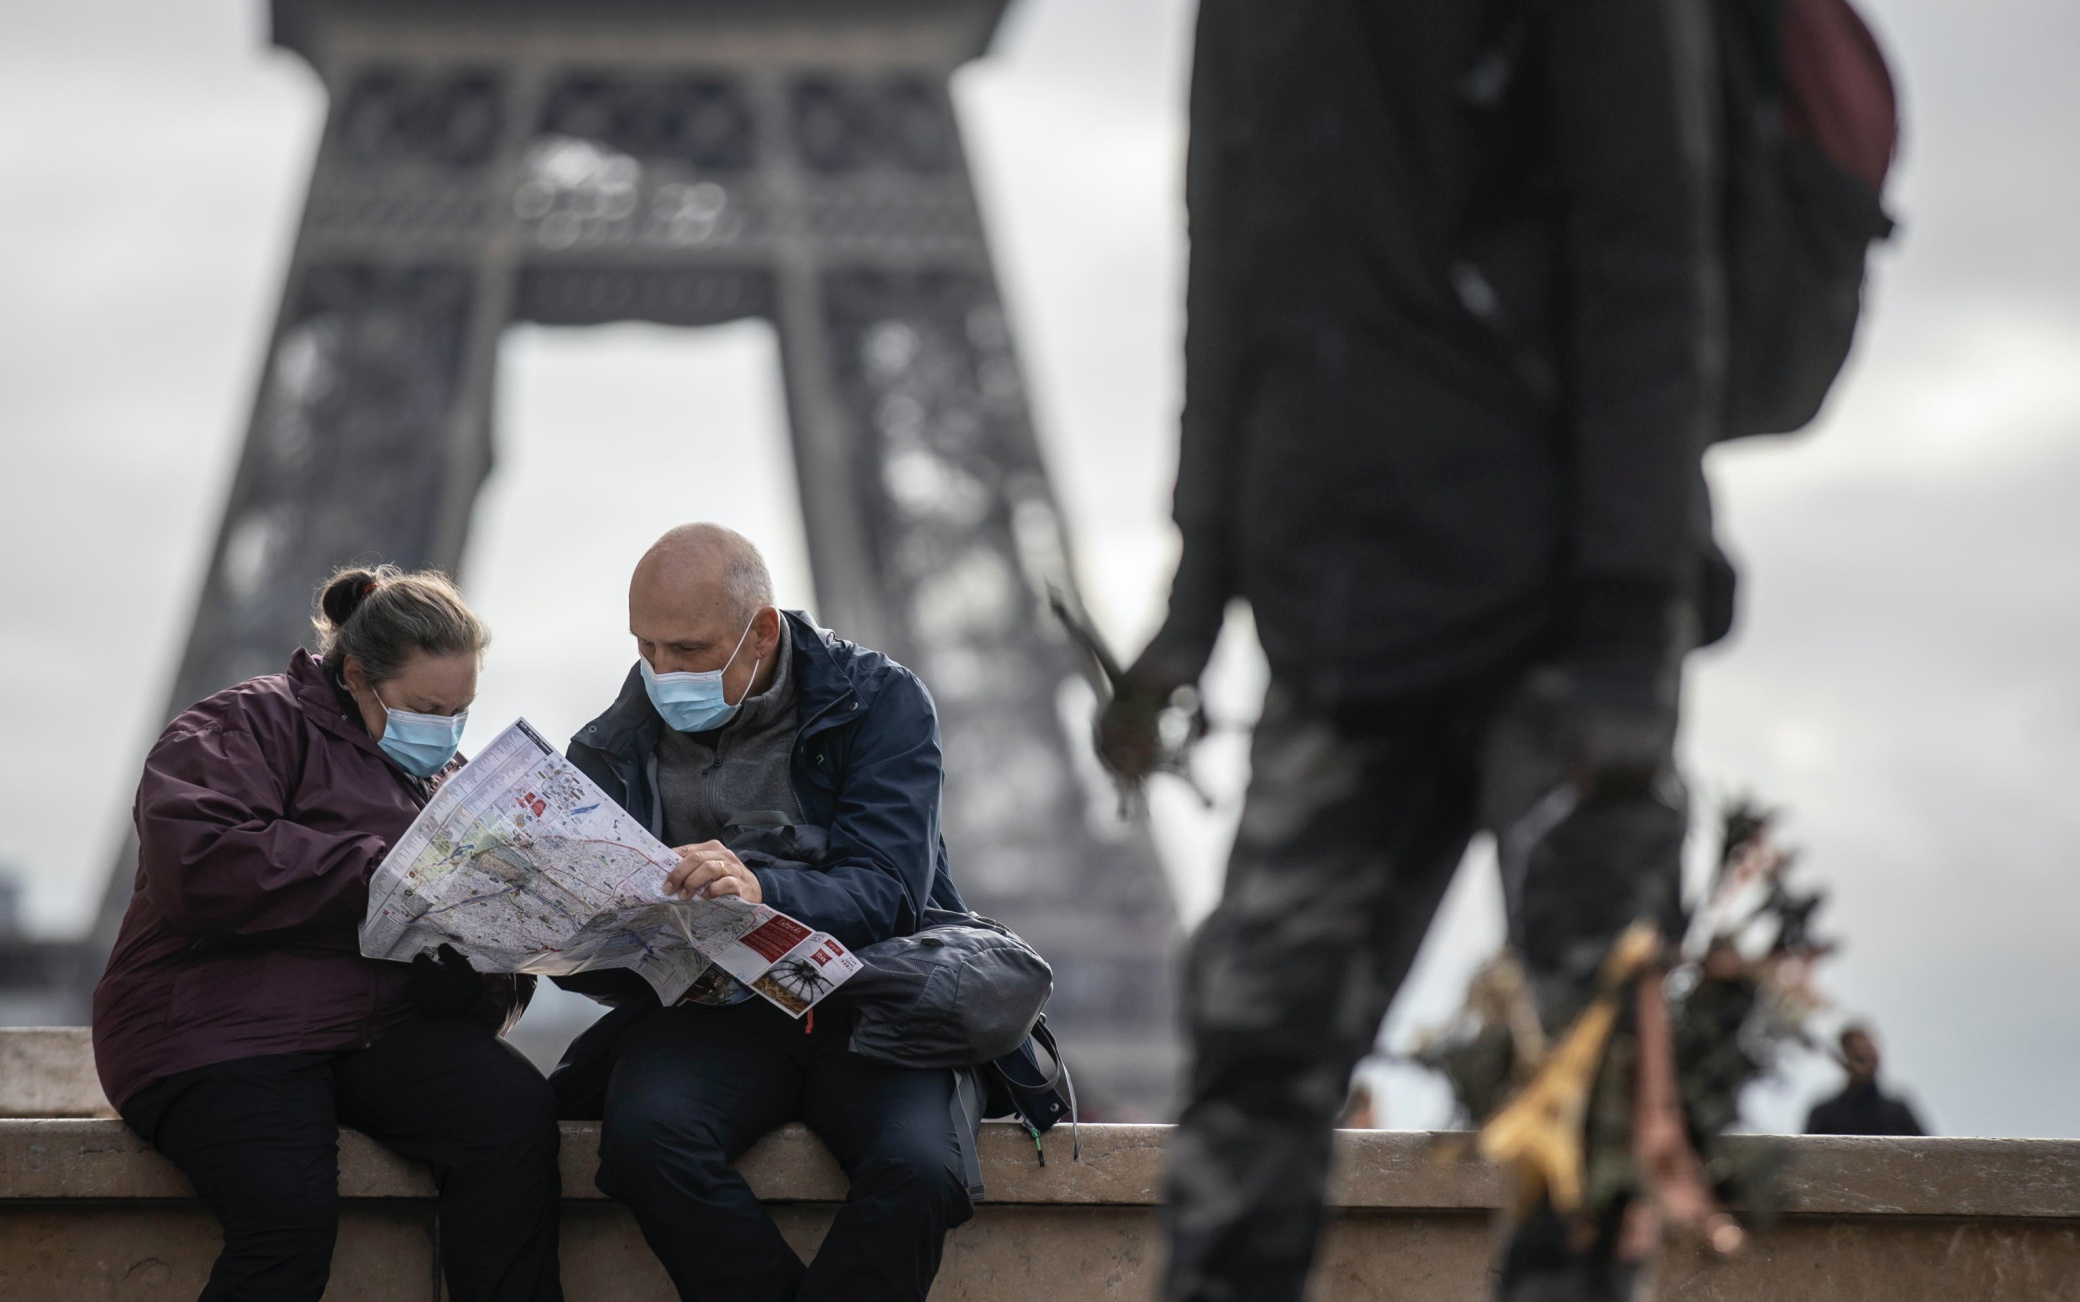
{"x":258,"y":706}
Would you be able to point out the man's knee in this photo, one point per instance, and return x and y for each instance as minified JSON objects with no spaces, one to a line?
{"x":919,"y":1179}
{"x":644,"y":1139}
{"x":510,"y":1120}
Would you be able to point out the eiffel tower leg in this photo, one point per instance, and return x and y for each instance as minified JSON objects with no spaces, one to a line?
{"x":369,"y":436}
{"x":935,"y":537}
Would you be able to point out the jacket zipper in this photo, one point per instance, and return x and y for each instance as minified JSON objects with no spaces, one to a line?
{"x":421,"y":793}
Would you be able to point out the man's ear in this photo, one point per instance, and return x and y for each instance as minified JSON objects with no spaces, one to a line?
{"x":768,"y":631}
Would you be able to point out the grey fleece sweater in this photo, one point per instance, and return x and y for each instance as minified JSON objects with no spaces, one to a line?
{"x":728,"y":777}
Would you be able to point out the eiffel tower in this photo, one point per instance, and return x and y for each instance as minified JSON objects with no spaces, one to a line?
{"x":690,"y":163}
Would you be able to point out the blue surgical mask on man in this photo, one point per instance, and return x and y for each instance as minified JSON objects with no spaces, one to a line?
{"x":693,"y":701}
{"x":421,"y":744}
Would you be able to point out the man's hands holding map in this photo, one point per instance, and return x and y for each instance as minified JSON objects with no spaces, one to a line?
{"x":709,"y":870}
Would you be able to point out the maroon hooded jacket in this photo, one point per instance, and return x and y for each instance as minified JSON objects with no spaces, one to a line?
{"x":262,"y":813}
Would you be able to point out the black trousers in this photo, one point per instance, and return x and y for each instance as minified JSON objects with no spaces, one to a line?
{"x":693,"y":1086}
{"x":259,"y":1139}
{"x":1350,"y":834}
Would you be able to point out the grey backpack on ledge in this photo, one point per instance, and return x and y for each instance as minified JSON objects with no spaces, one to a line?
{"x":965,"y":993}
{"x":959,"y":992}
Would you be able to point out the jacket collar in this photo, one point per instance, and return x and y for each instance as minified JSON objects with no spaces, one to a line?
{"x":825,"y":690}
{"x":313,"y":690}
{"x":825,"y":694}
{"x":778,"y":698}
{"x":629,"y":726}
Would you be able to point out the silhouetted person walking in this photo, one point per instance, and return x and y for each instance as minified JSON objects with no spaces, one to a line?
{"x":1862,"y":1108}
{"x":1455,"y":351}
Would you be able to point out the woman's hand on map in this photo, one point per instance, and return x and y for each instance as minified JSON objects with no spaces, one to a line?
{"x":708,"y":870}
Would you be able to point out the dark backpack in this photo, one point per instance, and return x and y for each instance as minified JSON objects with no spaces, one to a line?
{"x":1811,"y":126}
{"x":964,"y":992}
{"x":959,"y":991}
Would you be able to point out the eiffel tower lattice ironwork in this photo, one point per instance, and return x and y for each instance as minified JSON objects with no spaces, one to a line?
{"x":693,"y":162}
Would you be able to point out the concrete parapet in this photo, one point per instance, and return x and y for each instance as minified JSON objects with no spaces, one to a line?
{"x":48,"y":1071}
{"x":88,"y":1211}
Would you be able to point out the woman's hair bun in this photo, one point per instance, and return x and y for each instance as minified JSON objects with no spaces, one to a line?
{"x":343,"y":594}
{"x":380,"y":615}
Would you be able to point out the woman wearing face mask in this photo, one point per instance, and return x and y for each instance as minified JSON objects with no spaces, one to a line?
{"x":238,"y":1026}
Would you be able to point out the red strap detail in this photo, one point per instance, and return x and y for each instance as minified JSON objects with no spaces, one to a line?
{"x":1838,"y":93}
{"x":809,"y":1021}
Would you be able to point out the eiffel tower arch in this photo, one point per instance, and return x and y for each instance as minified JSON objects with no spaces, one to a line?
{"x":695,"y":162}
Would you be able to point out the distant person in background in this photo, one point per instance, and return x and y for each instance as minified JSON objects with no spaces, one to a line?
{"x":238,"y":1027}
{"x":1861,"y":1108}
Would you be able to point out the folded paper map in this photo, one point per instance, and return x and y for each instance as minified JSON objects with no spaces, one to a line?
{"x":524,"y":865}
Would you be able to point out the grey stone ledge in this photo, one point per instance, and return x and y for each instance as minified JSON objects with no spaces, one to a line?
{"x":56,"y":1159}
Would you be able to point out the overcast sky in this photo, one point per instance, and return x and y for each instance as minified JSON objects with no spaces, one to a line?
{"x":1903,"y":677}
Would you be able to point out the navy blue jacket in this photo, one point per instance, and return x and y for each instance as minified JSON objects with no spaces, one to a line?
{"x":866,"y":768}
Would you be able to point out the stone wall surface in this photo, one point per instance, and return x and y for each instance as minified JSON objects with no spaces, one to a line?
{"x":48,"y":1071}
{"x":87,"y":1211}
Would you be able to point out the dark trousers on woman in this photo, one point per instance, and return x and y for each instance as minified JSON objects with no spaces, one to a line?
{"x":692,"y":1087}
{"x":259,"y":1139}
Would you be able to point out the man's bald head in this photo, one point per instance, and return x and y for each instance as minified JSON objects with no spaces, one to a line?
{"x":691,"y":599}
{"x":707,"y":566}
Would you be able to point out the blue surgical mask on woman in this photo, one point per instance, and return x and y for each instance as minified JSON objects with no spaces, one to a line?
{"x":421,"y":744}
{"x":693,"y":701}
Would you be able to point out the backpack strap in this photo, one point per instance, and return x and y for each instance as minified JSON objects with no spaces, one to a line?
{"x":1043,"y":1035}
{"x":966,"y":1109}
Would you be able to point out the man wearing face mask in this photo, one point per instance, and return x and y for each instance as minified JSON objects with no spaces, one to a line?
{"x":795,"y":769}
